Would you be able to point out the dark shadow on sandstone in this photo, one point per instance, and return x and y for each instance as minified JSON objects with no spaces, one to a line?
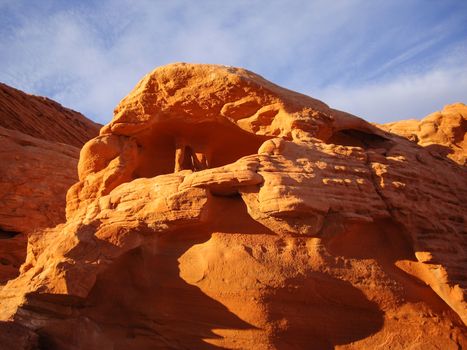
{"x":141,"y":302}
{"x":320,"y":312}
{"x":387,"y":242}
{"x":13,"y":336}
{"x":12,"y":255}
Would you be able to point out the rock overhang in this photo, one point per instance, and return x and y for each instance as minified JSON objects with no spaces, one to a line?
{"x":320,"y":192}
{"x":198,"y":116}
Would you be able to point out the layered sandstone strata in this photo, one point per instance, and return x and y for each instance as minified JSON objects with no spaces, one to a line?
{"x":43,"y":118}
{"x":218,"y":210}
{"x":38,"y":160}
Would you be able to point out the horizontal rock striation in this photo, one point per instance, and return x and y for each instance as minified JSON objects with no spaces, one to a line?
{"x":39,"y":155}
{"x":43,"y":118}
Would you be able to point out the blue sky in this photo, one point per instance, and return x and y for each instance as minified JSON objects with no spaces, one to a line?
{"x":381,"y":60}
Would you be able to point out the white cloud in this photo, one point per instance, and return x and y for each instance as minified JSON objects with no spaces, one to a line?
{"x":89,"y":56}
{"x":404,"y":97}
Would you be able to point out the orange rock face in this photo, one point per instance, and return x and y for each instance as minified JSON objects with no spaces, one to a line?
{"x":443,"y":133}
{"x":43,"y":118}
{"x":220,"y":211}
{"x":35,"y":172}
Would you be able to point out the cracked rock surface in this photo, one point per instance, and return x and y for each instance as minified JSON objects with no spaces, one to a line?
{"x":220,"y":211}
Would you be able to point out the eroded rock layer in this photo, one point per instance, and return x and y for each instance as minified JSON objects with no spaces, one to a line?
{"x":443,"y":132}
{"x":38,"y":160}
{"x":43,"y":118}
{"x":34,"y":177}
{"x":218,"y":210}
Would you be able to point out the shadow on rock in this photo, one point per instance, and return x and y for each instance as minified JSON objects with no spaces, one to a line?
{"x":140,"y":302}
{"x":319,"y":312}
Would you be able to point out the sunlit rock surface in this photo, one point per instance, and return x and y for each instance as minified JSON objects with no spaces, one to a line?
{"x":443,"y":132}
{"x":43,"y":118}
{"x":220,"y":211}
{"x":39,"y":151}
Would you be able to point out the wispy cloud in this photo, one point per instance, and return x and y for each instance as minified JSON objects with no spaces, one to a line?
{"x":353,"y":54}
{"x":403,"y":97}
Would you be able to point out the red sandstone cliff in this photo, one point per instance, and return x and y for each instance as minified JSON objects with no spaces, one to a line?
{"x":43,"y":118}
{"x":218,"y":210}
{"x":40,"y":148}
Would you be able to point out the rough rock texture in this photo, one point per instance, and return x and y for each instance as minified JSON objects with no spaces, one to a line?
{"x":34,"y":177}
{"x":220,"y":211}
{"x":16,"y":337}
{"x":35,"y":173}
{"x":443,"y":133}
{"x":44,"y":118}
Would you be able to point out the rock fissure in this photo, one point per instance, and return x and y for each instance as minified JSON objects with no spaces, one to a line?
{"x":376,"y":181}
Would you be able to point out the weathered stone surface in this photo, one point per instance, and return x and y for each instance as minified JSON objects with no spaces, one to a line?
{"x":43,"y":118}
{"x":16,"y":337}
{"x":218,"y":210}
{"x":35,"y":172}
{"x":34,"y":177}
{"x":443,"y":132}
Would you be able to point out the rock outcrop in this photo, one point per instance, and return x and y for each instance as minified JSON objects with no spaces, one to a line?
{"x":218,"y":210}
{"x":443,"y":132}
{"x":44,"y":118}
{"x":35,"y":172}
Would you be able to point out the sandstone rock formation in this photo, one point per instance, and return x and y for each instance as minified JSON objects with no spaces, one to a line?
{"x":220,"y":211}
{"x":35,"y":172}
{"x":43,"y":118}
{"x":443,"y":132}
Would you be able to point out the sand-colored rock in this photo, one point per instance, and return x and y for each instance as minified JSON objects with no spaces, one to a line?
{"x":220,"y":211}
{"x":443,"y":132}
{"x":38,"y":160}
